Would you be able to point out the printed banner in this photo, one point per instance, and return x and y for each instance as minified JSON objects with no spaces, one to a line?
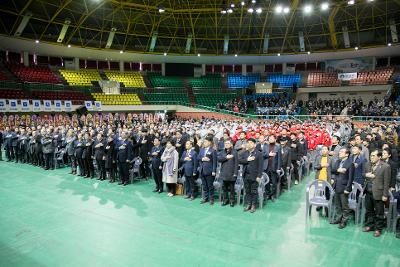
{"x":347,"y":76}
{"x":57,"y":105}
{"x":68,"y":105}
{"x":89,"y":105}
{"x":12,"y":104}
{"x":36,"y":105}
{"x":25,"y":105}
{"x":47,"y":105}
{"x":349,"y":65}
{"x":97,"y":104}
{"x":2,"y":105}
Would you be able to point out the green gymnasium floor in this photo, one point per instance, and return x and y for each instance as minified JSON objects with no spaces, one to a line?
{"x":51,"y":218}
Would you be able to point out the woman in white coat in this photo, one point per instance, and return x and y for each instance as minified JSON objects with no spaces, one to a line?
{"x":170,"y":158}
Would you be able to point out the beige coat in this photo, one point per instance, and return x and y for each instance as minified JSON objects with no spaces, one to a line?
{"x":170,"y":158}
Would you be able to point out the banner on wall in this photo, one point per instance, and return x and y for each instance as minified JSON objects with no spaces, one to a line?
{"x":350,"y":65}
{"x":47,"y":105}
{"x":36,"y":105}
{"x":2,"y":105}
{"x":24,"y":105}
{"x":97,"y":104}
{"x":347,"y":76}
{"x":68,"y":105}
{"x":89,"y":105}
{"x":57,"y":105}
{"x":12,"y":104}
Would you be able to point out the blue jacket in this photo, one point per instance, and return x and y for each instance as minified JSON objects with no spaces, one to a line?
{"x":189,"y":167}
{"x":358,"y":171}
{"x":206,"y":168}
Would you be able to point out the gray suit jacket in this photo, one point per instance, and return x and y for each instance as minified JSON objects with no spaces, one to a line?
{"x":380,"y":184}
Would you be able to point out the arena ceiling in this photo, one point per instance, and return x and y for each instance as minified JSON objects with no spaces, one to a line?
{"x":208,"y":23}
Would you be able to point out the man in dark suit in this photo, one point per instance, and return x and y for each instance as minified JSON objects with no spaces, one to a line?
{"x":285,"y":158}
{"x":252,"y":160}
{"x":229,"y":169}
{"x":7,"y":143}
{"x":124,"y":157}
{"x":156,"y":167}
{"x":358,"y":163}
{"x":387,"y":157}
{"x":272,"y":162}
{"x":207,"y":162}
{"x":189,"y":163}
{"x":145,"y":144}
{"x":377,"y":181}
{"x":48,"y":150}
{"x":342,"y":183}
{"x":99,"y":155}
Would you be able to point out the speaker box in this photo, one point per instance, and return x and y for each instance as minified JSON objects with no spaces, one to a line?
{"x":82,"y":110}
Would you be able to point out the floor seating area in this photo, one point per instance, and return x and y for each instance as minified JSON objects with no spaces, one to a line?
{"x":242,"y":81}
{"x":129,"y":79}
{"x":81,"y":77}
{"x":323,"y":79}
{"x":121,"y":99}
{"x":37,"y":74}
{"x":381,"y":76}
{"x":284,"y":80}
{"x":207,"y":81}
{"x":157,"y":80}
{"x":77,"y":98}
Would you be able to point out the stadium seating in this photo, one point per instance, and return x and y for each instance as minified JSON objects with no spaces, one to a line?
{"x":3,"y":76}
{"x":323,"y":79}
{"x":121,"y":99}
{"x":82,"y":77}
{"x":77,"y":98}
{"x":13,"y":94}
{"x":129,"y":79}
{"x":242,"y":81}
{"x":284,"y":80}
{"x":211,"y":100}
{"x":208,"y":81}
{"x":157,"y":80}
{"x":33,"y":74}
{"x":381,"y":76}
{"x":180,"y":97}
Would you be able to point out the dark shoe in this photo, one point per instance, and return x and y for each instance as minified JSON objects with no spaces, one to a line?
{"x":125,"y":184}
{"x":232,"y":204}
{"x":203,"y":201}
{"x":377,"y":233}
{"x":212,"y":202}
{"x":253,"y":209}
{"x":336,"y":222}
{"x":111,"y":181}
{"x":224,"y":203}
{"x":155,"y":190}
{"x":87,"y":176}
{"x":160,"y":191}
{"x":247,"y":208}
{"x":367,"y":229}
{"x":342,"y":225}
{"x":187,"y":197}
{"x":120,"y":183}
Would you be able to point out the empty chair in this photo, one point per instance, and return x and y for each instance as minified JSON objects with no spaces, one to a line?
{"x":315,"y":196}
{"x":239,"y":184}
{"x":355,"y":201}
{"x":261,"y":189}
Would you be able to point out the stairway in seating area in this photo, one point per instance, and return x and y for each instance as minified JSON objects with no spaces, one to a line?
{"x":189,"y":91}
